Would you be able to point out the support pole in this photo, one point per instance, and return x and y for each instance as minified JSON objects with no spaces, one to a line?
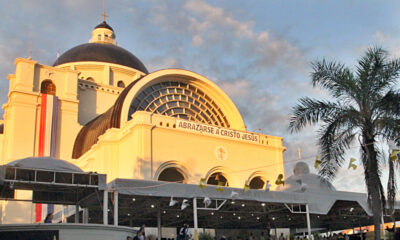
{"x":86,"y":215}
{"x":63,"y":214}
{"x":308,"y":222}
{"x":76,"y":213}
{"x":105,"y":207}
{"x":159,"y":224}
{"x":383,"y":227}
{"x":196,"y":231}
{"x":115,"y":208}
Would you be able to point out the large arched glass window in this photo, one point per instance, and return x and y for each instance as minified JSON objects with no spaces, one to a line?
{"x":257,"y":183}
{"x":180,"y":100}
{"x":218,"y":177}
{"x":48,"y":87}
{"x":172,"y":174}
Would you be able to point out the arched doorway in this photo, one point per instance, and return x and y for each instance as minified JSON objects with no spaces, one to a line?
{"x":172,"y":174}
{"x":257,"y":183}
{"x":218,"y":177}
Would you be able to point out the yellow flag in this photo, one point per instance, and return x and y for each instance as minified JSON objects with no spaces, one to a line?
{"x":317,"y":161}
{"x":279,"y":180}
{"x":202,"y":183}
{"x":220,"y":185}
{"x":246,"y":186}
{"x":351,"y":164}
{"x":393,"y":156}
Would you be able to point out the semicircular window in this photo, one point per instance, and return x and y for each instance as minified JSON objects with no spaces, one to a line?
{"x":180,"y":100}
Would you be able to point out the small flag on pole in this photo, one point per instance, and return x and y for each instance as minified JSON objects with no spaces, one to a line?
{"x":246,"y":186}
{"x":351,"y":164}
{"x":393,"y":155}
{"x":202,"y":183}
{"x":220,"y":187}
{"x":317,"y":161}
{"x":279,"y":180}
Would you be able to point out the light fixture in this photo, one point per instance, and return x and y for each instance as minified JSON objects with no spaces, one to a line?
{"x":177,"y":216}
{"x":351,"y":209}
{"x":258,"y":218}
{"x":263,"y":204}
{"x":152,"y":206}
{"x":212,"y":213}
{"x":273,"y":218}
{"x":221,"y":217}
{"x":207,"y":201}
{"x":133,"y":199}
{"x":252,"y":215}
{"x":164,"y":212}
{"x":243,"y":205}
{"x":234,"y":214}
{"x":185,"y":204}
{"x":239,"y":217}
{"x":233,"y":202}
{"x":129,"y":214}
{"x":172,"y":202}
{"x":108,"y":210}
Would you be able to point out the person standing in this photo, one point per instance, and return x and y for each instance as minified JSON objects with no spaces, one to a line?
{"x":142,"y":232}
{"x":49,"y":218}
{"x":183,"y":232}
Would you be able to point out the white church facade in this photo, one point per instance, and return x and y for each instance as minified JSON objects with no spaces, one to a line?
{"x":99,"y":108}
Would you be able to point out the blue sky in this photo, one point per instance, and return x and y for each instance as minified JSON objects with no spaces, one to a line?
{"x":259,"y":52}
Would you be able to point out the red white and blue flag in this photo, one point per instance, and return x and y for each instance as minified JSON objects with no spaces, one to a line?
{"x":46,"y":142}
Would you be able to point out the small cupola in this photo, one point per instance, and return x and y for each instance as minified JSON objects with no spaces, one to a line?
{"x":103,"y":34}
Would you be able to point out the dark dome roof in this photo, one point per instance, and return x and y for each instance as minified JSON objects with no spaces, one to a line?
{"x":104,"y":25}
{"x":101,"y":53}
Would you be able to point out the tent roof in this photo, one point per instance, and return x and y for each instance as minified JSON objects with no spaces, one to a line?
{"x":319,"y":202}
{"x":140,"y":200}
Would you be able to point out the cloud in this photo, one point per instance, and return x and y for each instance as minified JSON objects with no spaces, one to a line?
{"x":389,"y":41}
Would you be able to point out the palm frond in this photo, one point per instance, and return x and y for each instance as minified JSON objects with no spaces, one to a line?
{"x":310,"y":111}
{"x":334,"y":77}
{"x":336,"y":136}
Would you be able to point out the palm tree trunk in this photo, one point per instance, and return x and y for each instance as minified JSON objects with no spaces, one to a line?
{"x":376,"y":211}
{"x":373,"y":183}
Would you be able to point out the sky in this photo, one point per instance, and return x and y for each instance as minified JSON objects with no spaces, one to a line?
{"x":259,"y":52}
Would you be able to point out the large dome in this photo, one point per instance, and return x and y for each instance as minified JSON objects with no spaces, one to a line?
{"x":101,"y":53}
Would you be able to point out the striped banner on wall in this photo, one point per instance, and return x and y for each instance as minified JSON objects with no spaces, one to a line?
{"x":46,"y":141}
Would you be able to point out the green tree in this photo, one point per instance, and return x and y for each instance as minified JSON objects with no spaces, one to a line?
{"x":365,"y":107}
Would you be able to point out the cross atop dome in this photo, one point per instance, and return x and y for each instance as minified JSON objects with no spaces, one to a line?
{"x":104,"y":15}
{"x":103,"y":33}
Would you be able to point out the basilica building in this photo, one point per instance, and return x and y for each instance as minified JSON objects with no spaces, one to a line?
{"x":99,"y":108}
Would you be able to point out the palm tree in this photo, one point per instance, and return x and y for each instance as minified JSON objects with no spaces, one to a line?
{"x":365,"y":108}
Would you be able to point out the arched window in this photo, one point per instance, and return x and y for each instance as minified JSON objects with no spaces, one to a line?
{"x":121,"y":84}
{"x":172,"y":174}
{"x":90,"y":79}
{"x":218,"y":177}
{"x":99,"y":37}
{"x":257,"y":183}
{"x":48,"y":87}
